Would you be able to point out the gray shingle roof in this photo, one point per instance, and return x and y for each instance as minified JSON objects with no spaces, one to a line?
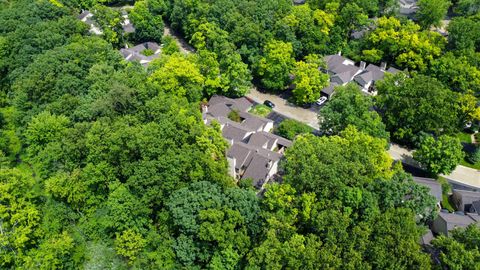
{"x":455,"y":220}
{"x":432,"y":184}
{"x":235,"y":132}
{"x":258,"y":169}
{"x":329,"y":89}
{"x":427,"y":238}
{"x":129,"y":28}
{"x":466,"y":198}
{"x":84,"y":14}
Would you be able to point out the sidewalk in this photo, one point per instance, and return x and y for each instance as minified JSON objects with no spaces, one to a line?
{"x":282,"y":106}
{"x":461,"y":175}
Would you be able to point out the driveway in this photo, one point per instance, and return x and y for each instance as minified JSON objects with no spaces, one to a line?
{"x":283,"y":107}
{"x":182,"y":44}
{"x":462,"y":175}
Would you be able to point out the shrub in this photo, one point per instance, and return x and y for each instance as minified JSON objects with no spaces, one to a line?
{"x":290,"y":128}
{"x":234,"y":116}
{"x":474,"y":157}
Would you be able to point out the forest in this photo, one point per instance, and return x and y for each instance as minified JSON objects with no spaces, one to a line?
{"x":106,"y":164}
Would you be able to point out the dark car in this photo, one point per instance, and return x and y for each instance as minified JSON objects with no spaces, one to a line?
{"x":269,"y":104}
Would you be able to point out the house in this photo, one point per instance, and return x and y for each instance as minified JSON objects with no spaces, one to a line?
{"x":426,"y":238}
{"x":299,"y":2}
{"x":408,"y":7}
{"x":139,"y":52}
{"x":127,"y":24}
{"x":463,"y":199}
{"x":435,"y":188}
{"x":446,"y":222}
{"x":475,"y":208}
{"x":88,"y":18}
{"x":254,"y":152}
{"x":369,"y":75}
{"x":343,"y":70}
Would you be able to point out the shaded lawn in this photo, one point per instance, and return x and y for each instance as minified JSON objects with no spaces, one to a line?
{"x":260,"y":110}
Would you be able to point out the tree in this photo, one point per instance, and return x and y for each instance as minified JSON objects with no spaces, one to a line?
{"x":431,"y":12}
{"x":439,"y":156}
{"x":212,"y":228}
{"x":467,"y":7}
{"x":110,"y":22}
{"x":411,"y":105}
{"x":129,"y":243}
{"x":45,"y":128}
{"x":402,"y":192}
{"x":19,"y":216}
{"x":460,"y":251}
{"x":179,"y":76}
{"x":169,"y":45}
{"x":352,"y":17}
{"x":290,"y":128}
{"x":464,"y":34}
{"x":275,"y":67}
{"x":350,"y":107}
{"x":402,"y":43}
{"x":457,"y":73}
{"x":52,"y":253}
{"x":148,"y":26}
{"x":351,"y":159}
{"x":308,"y":80}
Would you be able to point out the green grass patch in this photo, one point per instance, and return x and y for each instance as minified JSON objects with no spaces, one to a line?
{"x":470,"y":165}
{"x":446,"y":190}
{"x":465,"y":137}
{"x":260,"y":110}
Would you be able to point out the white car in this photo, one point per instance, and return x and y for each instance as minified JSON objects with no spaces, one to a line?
{"x":321,"y":100}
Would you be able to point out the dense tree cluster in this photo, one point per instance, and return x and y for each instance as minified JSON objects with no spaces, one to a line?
{"x":108,"y":164}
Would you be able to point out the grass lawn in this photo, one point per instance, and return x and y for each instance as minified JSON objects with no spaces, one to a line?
{"x":470,"y":165}
{"x":466,"y":138}
{"x":445,"y":192}
{"x":260,"y":110}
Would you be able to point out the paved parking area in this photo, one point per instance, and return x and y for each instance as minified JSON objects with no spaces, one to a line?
{"x":308,"y":116}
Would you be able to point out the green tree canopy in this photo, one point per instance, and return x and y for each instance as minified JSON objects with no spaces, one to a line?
{"x":148,"y":26}
{"x":432,"y":12}
{"x":350,"y":107}
{"x":351,"y":159}
{"x":411,"y":105}
{"x":439,"y":156}
{"x":308,"y":80}
{"x":275,"y":67}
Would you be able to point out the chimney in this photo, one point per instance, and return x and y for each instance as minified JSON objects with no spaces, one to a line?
{"x":363,"y":65}
{"x":383,"y":66}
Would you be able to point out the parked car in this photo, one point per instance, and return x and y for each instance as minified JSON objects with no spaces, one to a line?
{"x":269,"y":104}
{"x":321,"y":100}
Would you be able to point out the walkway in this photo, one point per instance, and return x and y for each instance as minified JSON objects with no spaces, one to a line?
{"x":182,"y":44}
{"x":461,"y":175}
{"x":282,"y":106}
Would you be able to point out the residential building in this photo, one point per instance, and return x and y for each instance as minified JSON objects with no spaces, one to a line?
{"x":138,"y":52}
{"x":445,"y":222}
{"x":427,"y":238}
{"x":463,"y":199}
{"x":435,"y":188}
{"x":254,"y":152}
{"x":343,"y":70}
{"x":408,"y":7}
{"x":127,"y":24}
{"x":88,"y":18}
